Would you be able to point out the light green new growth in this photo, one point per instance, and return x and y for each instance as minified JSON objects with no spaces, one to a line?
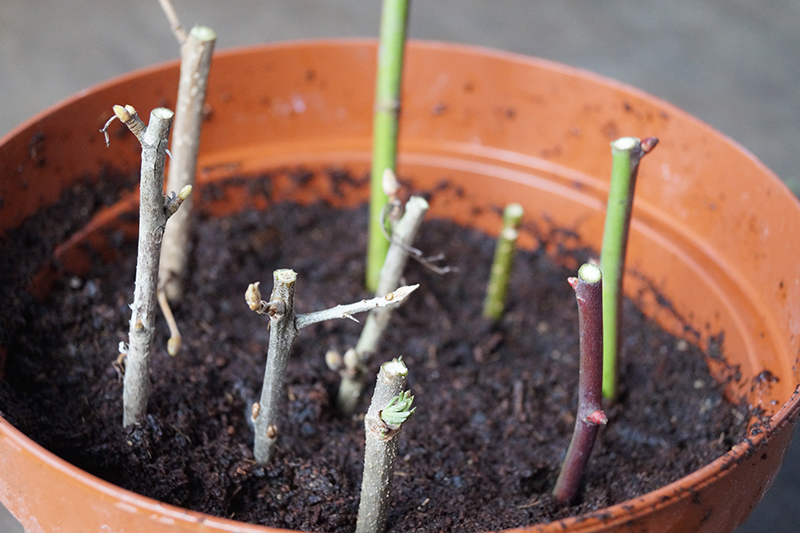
{"x":398,"y":410}
{"x":384,"y":137}
{"x":626,"y":154}
{"x":501,"y":266}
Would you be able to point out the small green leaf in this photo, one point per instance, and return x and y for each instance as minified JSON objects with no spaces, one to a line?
{"x":398,"y":410}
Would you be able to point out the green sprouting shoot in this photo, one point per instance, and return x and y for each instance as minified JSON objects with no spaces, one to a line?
{"x":398,"y":410}
{"x":501,"y":265}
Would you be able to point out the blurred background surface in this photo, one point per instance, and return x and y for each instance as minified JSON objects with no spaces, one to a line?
{"x":732,"y":64}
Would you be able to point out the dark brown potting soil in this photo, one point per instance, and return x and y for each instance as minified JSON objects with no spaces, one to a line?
{"x":495,"y":404}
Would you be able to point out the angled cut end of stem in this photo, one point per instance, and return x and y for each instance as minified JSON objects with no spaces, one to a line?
{"x":203,"y":33}
{"x":590,"y":273}
{"x":285,"y":276}
{"x":395,"y":368}
{"x":162,"y":113}
{"x":625,"y":145}
{"x":512,"y":215}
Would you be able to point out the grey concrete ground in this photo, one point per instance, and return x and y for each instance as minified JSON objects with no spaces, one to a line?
{"x":733,"y":64}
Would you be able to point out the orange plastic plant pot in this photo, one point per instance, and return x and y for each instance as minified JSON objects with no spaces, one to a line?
{"x":713,"y":229}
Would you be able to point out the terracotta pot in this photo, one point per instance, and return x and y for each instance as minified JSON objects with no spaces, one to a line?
{"x":714,"y":230}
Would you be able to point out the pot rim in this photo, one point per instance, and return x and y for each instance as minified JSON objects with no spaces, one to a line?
{"x":344,"y":42}
{"x":615,"y":514}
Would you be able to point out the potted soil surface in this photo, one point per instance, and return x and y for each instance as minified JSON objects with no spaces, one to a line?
{"x":712,"y":283}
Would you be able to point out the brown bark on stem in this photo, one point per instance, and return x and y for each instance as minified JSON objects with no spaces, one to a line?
{"x":589,"y":295}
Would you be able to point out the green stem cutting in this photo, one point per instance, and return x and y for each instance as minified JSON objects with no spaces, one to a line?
{"x":394,"y":19}
{"x":626,"y":154}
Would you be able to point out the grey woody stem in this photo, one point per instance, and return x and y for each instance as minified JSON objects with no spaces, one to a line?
{"x":153,"y":215}
{"x":403,"y":234}
{"x":389,"y":409}
{"x":281,"y":337}
{"x":196,"y":53}
{"x":284,"y":327}
{"x":589,"y":295}
{"x":346,"y":311}
{"x":174,"y":22}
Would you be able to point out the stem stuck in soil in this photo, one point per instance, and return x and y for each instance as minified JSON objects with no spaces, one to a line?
{"x":394,"y":19}
{"x":626,"y":154}
{"x":283,"y":331}
{"x":196,"y":51}
{"x":154,"y":210}
{"x":390,"y":408}
{"x":284,"y":327}
{"x":501,"y":265}
{"x":589,"y":295}
{"x":354,"y":372}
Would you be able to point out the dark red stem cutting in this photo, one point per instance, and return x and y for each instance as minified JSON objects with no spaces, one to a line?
{"x":590,"y":398}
